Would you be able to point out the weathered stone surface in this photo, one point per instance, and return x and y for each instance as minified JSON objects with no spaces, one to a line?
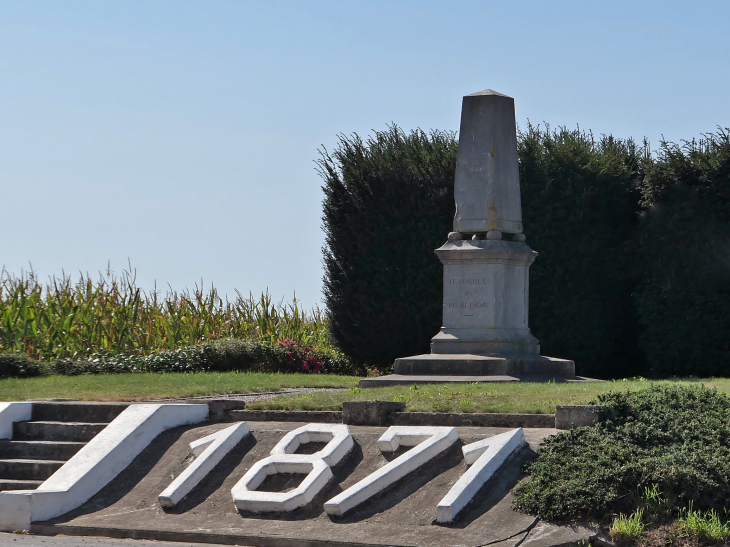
{"x":220,"y":409}
{"x":484,"y":365}
{"x":485,"y":298}
{"x":545,"y":534}
{"x":370,"y":412}
{"x":487,"y":182}
{"x":570,"y":416}
{"x":464,"y":419}
{"x":403,"y":515}
{"x":318,"y":416}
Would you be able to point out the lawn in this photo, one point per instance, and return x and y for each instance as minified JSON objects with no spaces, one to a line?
{"x":135,"y":387}
{"x":528,"y":398}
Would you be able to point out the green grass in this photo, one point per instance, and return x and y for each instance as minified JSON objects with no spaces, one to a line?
{"x":130,"y":387}
{"x":627,"y":529}
{"x":527,"y":398}
{"x":706,"y":526}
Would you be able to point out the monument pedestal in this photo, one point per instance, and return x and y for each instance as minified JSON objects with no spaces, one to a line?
{"x":486,"y":297}
{"x":485,"y":336}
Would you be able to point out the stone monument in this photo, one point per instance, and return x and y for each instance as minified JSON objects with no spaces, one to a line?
{"x":486,"y":262}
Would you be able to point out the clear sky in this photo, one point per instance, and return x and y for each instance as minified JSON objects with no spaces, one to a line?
{"x":182,"y":135}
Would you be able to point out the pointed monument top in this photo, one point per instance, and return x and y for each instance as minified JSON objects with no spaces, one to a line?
{"x":488,"y":92}
{"x":487,"y":180}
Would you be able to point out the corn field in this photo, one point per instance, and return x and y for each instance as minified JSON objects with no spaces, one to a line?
{"x":67,"y":318}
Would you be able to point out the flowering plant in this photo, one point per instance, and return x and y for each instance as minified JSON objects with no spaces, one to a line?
{"x":300,"y":357}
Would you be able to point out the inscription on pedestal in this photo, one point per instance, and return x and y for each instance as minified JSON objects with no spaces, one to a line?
{"x":466,"y":289}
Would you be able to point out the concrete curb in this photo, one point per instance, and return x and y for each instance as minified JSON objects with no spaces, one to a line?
{"x":49,"y":529}
{"x":311,"y":416}
{"x":186,"y":537}
{"x":402,"y":418}
{"x":475,"y":419}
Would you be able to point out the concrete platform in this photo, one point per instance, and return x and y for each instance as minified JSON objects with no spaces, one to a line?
{"x":435,"y":368}
{"x":410,"y":379}
{"x":403,"y":515}
{"x":484,"y":365}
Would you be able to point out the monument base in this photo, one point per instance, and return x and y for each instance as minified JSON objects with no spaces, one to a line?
{"x":467,"y":368}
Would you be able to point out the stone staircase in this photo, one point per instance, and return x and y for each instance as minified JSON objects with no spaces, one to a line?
{"x":54,"y":434}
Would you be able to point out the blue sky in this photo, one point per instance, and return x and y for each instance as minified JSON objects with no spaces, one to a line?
{"x":182,"y":135}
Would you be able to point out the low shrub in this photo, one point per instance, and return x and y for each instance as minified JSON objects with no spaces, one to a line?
{"x":673,"y":440}
{"x":215,"y":356}
{"x":19,"y":365}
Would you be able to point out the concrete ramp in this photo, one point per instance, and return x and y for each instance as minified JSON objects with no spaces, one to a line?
{"x":402,"y":515}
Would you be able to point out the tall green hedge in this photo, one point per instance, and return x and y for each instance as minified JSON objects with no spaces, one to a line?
{"x":388,"y":204}
{"x":633,"y":272}
{"x":683,"y":258}
{"x":580,"y":205}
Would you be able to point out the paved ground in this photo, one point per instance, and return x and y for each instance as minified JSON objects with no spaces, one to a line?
{"x":17,"y":540}
{"x":403,"y":515}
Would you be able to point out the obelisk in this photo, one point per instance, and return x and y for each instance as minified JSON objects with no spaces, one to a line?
{"x":486,"y":261}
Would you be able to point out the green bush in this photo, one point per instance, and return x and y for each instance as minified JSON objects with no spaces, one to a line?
{"x":215,"y":356}
{"x":18,"y":365}
{"x":673,"y":440}
{"x":683,"y":259}
{"x":388,"y":204}
{"x":580,"y":206}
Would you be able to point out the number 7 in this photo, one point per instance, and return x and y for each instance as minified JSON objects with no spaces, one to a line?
{"x":428,"y":442}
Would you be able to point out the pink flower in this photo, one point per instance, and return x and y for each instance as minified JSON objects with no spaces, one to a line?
{"x":305,"y":367}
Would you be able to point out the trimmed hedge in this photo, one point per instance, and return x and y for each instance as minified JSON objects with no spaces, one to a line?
{"x":388,"y":204}
{"x":683,"y":259}
{"x":676,"y":439}
{"x":218,"y":356}
{"x":580,"y":206}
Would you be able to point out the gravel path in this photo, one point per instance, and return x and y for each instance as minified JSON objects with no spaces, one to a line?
{"x":250,"y":397}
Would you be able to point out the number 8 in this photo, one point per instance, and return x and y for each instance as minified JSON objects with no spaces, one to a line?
{"x":283,"y":460}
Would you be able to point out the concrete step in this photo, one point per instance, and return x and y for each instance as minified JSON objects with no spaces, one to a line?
{"x":55,"y":431}
{"x":28,"y":469}
{"x":10,"y":484}
{"x":39,"y":450}
{"x":77,"y":412}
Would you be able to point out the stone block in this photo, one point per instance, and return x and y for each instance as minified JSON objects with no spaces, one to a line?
{"x":570,"y":416}
{"x":485,"y":365}
{"x":370,"y":412}
{"x":220,"y":409}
